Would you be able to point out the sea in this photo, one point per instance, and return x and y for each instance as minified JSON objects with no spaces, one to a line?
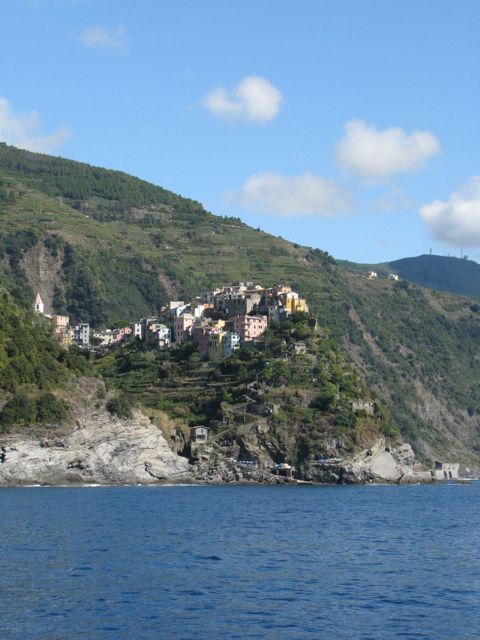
{"x":246,"y":562}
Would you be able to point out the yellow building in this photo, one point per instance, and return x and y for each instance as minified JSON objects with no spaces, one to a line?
{"x":60,"y":326}
{"x":216,"y":344}
{"x":293,"y":303}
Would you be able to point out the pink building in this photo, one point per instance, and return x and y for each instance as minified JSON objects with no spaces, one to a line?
{"x":121,"y":333}
{"x":249,"y":327}
{"x":181,"y":327}
{"x":201,"y":337}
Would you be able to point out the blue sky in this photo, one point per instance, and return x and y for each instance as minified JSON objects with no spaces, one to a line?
{"x":348,"y":125}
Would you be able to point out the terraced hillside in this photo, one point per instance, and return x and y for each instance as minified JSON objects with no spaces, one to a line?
{"x":105,"y":247}
{"x":104,"y":267}
{"x":295,"y":407}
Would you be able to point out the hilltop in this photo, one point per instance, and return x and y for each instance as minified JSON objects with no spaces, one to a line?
{"x":114,"y":247}
{"x":442,"y":273}
{"x":105,"y":247}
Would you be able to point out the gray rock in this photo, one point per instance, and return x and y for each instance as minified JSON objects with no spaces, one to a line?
{"x":101,"y":449}
{"x":379,"y":463}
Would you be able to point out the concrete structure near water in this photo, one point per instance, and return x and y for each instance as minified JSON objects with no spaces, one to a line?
{"x":445,"y":471}
{"x":284,"y":470}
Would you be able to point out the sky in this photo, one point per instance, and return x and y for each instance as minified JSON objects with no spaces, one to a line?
{"x":347,"y":125}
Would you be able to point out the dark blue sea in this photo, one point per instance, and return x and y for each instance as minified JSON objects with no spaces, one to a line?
{"x":240,"y":562}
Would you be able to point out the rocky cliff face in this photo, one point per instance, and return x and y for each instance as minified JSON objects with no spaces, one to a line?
{"x":382,"y":462}
{"x":379,"y":463}
{"x":99,"y":448}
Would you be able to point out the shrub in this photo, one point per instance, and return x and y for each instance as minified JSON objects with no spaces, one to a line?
{"x":121,"y":405}
{"x":19,"y":410}
{"x":23,"y":409}
{"x":50,"y":409}
{"x":325,"y":400}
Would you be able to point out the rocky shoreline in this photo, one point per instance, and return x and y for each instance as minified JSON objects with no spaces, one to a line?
{"x":99,"y":448}
{"x":104,"y":450}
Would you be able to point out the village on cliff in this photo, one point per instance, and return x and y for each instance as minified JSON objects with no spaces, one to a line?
{"x":218,"y":322}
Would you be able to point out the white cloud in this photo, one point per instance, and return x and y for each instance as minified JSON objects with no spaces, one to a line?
{"x":291,"y":196}
{"x":373,"y":155}
{"x":22,"y":130}
{"x":456,"y":221}
{"x":105,"y":37}
{"x":254,"y":99}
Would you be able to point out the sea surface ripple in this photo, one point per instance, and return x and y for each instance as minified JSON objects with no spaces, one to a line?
{"x":149,"y":563}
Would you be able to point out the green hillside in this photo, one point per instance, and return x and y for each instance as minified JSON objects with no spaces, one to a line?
{"x":108,"y":268}
{"x":443,"y":273}
{"x":301,"y":404}
{"x":34,"y":369}
{"x":103,"y":247}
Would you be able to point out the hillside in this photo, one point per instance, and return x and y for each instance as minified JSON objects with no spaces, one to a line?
{"x":34,"y":369}
{"x":105,"y":247}
{"x":102,"y":268}
{"x":265,"y":402}
{"x":441,"y":273}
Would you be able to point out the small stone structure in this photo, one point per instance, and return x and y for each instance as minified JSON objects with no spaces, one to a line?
{"x":284,"y":470}
{"x":364,"y":405}
{"x":199,"y":435}
{"x":300,"y":348}
{"x":445,"y":471}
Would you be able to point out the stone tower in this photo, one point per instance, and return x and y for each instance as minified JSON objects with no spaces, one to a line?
{"x":38,"y":304}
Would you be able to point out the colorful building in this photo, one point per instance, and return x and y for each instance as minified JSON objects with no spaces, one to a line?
{"x":182,"y":327}
{"x":249,"y":328}
{"x":231,"y":343}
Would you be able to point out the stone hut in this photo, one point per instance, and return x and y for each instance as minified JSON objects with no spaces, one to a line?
{"x":445,"y":471}
{"x":199,"y":435}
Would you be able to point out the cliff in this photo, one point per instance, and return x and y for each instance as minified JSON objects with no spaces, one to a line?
{"x":97,"y":449}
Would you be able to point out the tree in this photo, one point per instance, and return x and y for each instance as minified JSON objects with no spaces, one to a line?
{"x":50,"y":409}
{"x":19,"y":410}
{"x":325,"y":400}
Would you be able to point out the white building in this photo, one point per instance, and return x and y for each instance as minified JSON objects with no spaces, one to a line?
{"x":364,"y":405}
{"x":38,"y":304}
{"x":81,"y":335}
{"x":231,"y":343}
{"x":137,"y":330}
{"x":159,"y":335}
